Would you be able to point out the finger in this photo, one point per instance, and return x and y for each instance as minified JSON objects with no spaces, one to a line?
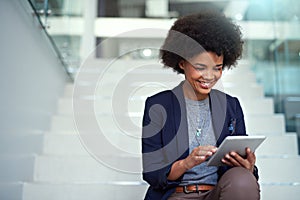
{"x":249,"y":152}
{"x":232,"y":160}
{"x":226,"y":162}
{"x":243,"y":162}
{"x":205,"y":152}
{"x":208,"y":148}
{"x":238,"y":158}
{"x":250,"y":156}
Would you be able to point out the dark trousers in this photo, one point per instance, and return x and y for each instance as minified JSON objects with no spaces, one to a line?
{"x":236,"y":184}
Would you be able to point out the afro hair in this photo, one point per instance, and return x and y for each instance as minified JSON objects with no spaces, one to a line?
{"x":210,"y":30}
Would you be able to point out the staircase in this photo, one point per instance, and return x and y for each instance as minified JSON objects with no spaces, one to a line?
{"x":69,"y":164}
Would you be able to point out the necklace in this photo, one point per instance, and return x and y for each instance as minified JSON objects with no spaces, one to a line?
{"x":198,"y":115}
{"x":203,"y":123}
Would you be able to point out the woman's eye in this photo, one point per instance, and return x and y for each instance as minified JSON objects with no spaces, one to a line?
{"x":218,"y":69}
{"x":199,"y":68}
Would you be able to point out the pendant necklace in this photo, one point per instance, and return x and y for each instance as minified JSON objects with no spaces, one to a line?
{"x":198,"y":132}
{"x":200,"y":128}
{"x":199,"y":120}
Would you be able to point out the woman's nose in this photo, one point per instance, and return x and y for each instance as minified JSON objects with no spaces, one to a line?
{"x":208,"y":74}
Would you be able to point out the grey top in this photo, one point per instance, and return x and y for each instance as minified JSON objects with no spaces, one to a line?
{"x":201,"y":133}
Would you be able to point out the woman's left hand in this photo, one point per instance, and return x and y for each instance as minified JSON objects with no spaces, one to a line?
{"x":233,"y":159}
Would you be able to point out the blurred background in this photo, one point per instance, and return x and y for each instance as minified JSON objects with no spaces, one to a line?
{"x":53,"y":53}
{"x":270,"y":29}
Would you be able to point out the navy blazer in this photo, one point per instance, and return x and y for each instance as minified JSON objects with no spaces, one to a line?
{"x":165,"y":134}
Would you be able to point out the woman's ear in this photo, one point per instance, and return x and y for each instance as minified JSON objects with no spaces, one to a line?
{"x":182,"y":64}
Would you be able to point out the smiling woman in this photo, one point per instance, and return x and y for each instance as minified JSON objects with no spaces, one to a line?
{"x":184,"y":126}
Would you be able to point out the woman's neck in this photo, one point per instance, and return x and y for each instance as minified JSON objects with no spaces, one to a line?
{"x":190,"y":93}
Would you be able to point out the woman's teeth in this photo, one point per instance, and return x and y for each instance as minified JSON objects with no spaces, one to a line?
{"x":205,"y":84}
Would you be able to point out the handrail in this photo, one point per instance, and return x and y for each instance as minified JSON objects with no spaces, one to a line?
{"x":54,"y":46}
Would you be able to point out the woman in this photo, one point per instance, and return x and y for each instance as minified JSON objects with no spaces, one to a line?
{"x":183,"y":127}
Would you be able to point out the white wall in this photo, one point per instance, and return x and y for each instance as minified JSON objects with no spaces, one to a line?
{"x":31,"y":76}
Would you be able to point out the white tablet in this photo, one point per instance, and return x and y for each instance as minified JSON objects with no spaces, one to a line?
{"x":237,"y":144}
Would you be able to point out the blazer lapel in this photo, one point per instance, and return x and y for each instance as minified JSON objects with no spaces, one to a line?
{"x":180,"y":119}
{"x":218,"y":105}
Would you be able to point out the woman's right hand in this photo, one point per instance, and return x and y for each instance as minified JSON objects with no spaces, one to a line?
{"x":196,"y":157}
{"x":199,"y":155}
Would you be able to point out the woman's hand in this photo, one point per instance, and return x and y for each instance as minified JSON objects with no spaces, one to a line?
{"x":198,"y":156}
{"x":233,"y":159}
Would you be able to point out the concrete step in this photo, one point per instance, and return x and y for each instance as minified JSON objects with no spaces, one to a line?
{"x":61,"y":169}
{"x":273,"y":124}
{"x":249,"y":92}
{"x":55,"y":144}
{"x":15,"y":168}
{"x":276,"y":169}
{"x":21,"y":144}
{"x":279,"y":145}
{"x":11,"y":191}
{"x":107,"y":123}
{"x":280,"y":191}
{"x":258,"y":106}
{"x":80,"y":191}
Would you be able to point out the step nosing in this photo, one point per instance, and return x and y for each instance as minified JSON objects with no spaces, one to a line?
{"x":116,"y":183}
{"x":280,"y":183}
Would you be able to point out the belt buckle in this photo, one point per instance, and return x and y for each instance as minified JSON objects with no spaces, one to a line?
{"x":186,"y":191}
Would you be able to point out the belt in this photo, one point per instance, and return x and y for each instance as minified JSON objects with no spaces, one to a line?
{"x":194,"y":188}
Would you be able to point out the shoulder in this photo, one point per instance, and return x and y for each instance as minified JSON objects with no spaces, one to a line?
{"x":167,"y":96}
{"x":219,"y":94}
{"x":160,"y":97}
{"x":229,"y":102}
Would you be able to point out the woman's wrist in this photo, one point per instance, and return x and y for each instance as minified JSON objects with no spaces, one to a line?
{"x":178,"y":169}
{"x":183,"y":163}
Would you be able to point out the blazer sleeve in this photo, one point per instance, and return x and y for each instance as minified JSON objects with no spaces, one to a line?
{"x":156,"y":166}
{"x":240,"y":127}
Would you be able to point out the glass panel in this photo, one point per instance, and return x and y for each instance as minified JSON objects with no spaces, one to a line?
{"x":277,"y":61}
{"x":59,"y":17}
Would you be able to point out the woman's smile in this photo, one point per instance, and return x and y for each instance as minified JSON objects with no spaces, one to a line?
{"x":206,"y":85}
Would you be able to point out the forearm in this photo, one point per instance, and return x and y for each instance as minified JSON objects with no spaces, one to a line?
{"x":177,"y":170}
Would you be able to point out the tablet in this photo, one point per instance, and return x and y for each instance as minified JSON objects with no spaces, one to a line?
{"x":237,"y":144}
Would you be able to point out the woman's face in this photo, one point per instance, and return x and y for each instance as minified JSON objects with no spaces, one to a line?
{"x":201,"y":74}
